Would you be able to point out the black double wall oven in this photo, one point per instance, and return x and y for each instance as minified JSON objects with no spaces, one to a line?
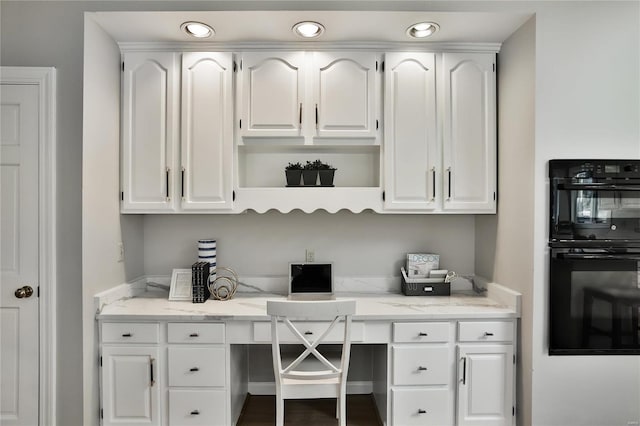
{"x":594,"y":239}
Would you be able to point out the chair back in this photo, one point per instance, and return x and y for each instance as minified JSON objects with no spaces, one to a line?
{"x":334,"y":312}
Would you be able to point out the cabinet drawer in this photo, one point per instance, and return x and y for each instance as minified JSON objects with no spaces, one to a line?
{"x":124,"y":332}
{"x":187,"y":332}
{"x":413,"y":332}
{"x":262,"y":331}
{"x":485,"y":331}
{"x":197,"y":407}
{"x":421,"y":407}
{"x":196,"y":366}
{"x":420,"y":365}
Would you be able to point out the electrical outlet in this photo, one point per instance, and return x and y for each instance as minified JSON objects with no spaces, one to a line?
{"x":310,"y":256}
{"x":120,"y":251}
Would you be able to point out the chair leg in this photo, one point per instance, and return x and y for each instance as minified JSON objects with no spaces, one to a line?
{"x":279,"y":410}
{"x":342,"y":403}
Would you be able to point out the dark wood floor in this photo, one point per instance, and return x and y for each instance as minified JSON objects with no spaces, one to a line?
{"x":260,"y":410}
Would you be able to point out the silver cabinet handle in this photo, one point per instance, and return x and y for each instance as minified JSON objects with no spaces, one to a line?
{"x":488,"y":334}
{"x":195,"y":412}
{"x":300,"y":116}
{"x":422,"y":334}
{"x":421,"y":368}
{"x":194,"y":369}
{"x":449,"y":182}
{"x":167,"y":171}
{"x":421,"y":411}
{"x":193,"y":335}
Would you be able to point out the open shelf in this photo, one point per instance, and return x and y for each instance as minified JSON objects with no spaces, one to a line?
{"x":262,"y":166}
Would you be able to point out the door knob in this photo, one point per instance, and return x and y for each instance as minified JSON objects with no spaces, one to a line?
{"x":23,"y":292}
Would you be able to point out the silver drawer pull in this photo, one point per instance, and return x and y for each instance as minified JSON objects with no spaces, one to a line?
{"x":421,"y":368}
{"x":308,"y":333}
{"x":421,"y":411}
{"x":195,"y":412}
{"x":423,"y":334}
{"x":126,"y":334}
{"x":488,"y":334}
{"x":194,"y":369}
{"x":193,"y":335}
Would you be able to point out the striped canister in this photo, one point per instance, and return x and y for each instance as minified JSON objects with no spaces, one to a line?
{"x":207,"y":253}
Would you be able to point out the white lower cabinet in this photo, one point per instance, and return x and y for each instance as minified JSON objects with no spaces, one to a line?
{"x":486,"y":373}
{"x":171,"y":374}
{"x":421,"y":374}
{"x":424,"y":367}
{"x":130,"y":385}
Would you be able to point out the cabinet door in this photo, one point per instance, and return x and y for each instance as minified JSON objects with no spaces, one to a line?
{"x":207,"y":120}
{"x":272,"y":93}
{"x":411,"y":147}
{"x":344,"y":94}
{"x":485,"y":385}
{"x":469,"y":133}
{"x":149,"y":126}
{"x":130,"y":390}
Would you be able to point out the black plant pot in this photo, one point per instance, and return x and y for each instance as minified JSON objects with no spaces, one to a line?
{"x":293,"y":177}
{"x":326,"y":177}
{"x":309,"y":177}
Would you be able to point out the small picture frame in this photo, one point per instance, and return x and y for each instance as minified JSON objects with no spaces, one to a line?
{"x":180,"y":285}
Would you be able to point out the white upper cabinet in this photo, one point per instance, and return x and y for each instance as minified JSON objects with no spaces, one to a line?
{"x":149,"y":131}
{"x":308,"y":95}
{"x":207,"y":131}
{"x":411,"y":155}
{"x":344,"y":94}
{"x":273,"y":86}
{"x":469,"y":133}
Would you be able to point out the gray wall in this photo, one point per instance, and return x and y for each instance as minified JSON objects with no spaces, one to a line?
{"x":504,"y":242}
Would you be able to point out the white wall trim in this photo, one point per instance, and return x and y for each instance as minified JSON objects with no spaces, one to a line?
{"x":45,"y":79}
{"x":280,"y":46}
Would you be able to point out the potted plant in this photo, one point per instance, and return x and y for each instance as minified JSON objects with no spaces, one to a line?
{"x":310,"y":173}
{"x":326,"y":172}
{"x":293,"y":172}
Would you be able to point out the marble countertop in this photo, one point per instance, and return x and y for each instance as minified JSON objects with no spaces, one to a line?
{"x":153,"y":304}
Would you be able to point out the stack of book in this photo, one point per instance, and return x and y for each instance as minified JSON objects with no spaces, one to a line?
{"x":200,"y":282}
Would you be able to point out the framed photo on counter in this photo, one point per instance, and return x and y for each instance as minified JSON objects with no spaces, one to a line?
{"x":180,"y":285}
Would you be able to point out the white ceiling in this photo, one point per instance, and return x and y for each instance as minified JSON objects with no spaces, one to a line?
{"x":341,"y":26}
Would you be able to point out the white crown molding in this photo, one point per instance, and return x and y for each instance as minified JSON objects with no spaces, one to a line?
{"x":310,"y":46}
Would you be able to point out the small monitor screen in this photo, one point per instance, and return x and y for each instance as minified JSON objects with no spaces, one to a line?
{"x":311,"y":278}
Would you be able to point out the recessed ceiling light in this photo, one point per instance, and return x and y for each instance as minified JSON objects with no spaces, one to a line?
{"x":308,"y":29}
{"x":422,"y":29}
{"x":197,"y":29}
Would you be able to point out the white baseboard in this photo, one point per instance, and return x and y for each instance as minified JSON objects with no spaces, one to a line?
{"x":269,"y":388}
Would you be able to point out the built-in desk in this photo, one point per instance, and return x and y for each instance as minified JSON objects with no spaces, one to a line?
{"x":441,"y":360}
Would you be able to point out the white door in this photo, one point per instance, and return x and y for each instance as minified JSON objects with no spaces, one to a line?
{"x":485,"y":385}
{"x":344,"y":86}
{"x":19,"y":359}
{"x":412,"y":163}
{"x":149,"y":131}
{"x":272,"y":94}
{"x":207,"y":131}
{"x":469,"y":133}
{"x":130,"y":385}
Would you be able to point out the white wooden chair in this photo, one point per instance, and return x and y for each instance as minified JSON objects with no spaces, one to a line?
{"x":309,"y":377}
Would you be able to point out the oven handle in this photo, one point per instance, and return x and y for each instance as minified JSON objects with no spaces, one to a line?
{"x":576,"y":256}
{"x":598,"y":187}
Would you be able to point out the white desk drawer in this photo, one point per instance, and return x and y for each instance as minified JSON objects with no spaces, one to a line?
{"x":421,"y":365}
{"x":188,"y":332}
{"x":485,"y":331}
{"x":124,"y":332}
{"x":414,"y":332}
{"x":196,"y":366}
{"x":421,"y":407}
{"x":262,"y":331}
{"x":197,"y":407}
